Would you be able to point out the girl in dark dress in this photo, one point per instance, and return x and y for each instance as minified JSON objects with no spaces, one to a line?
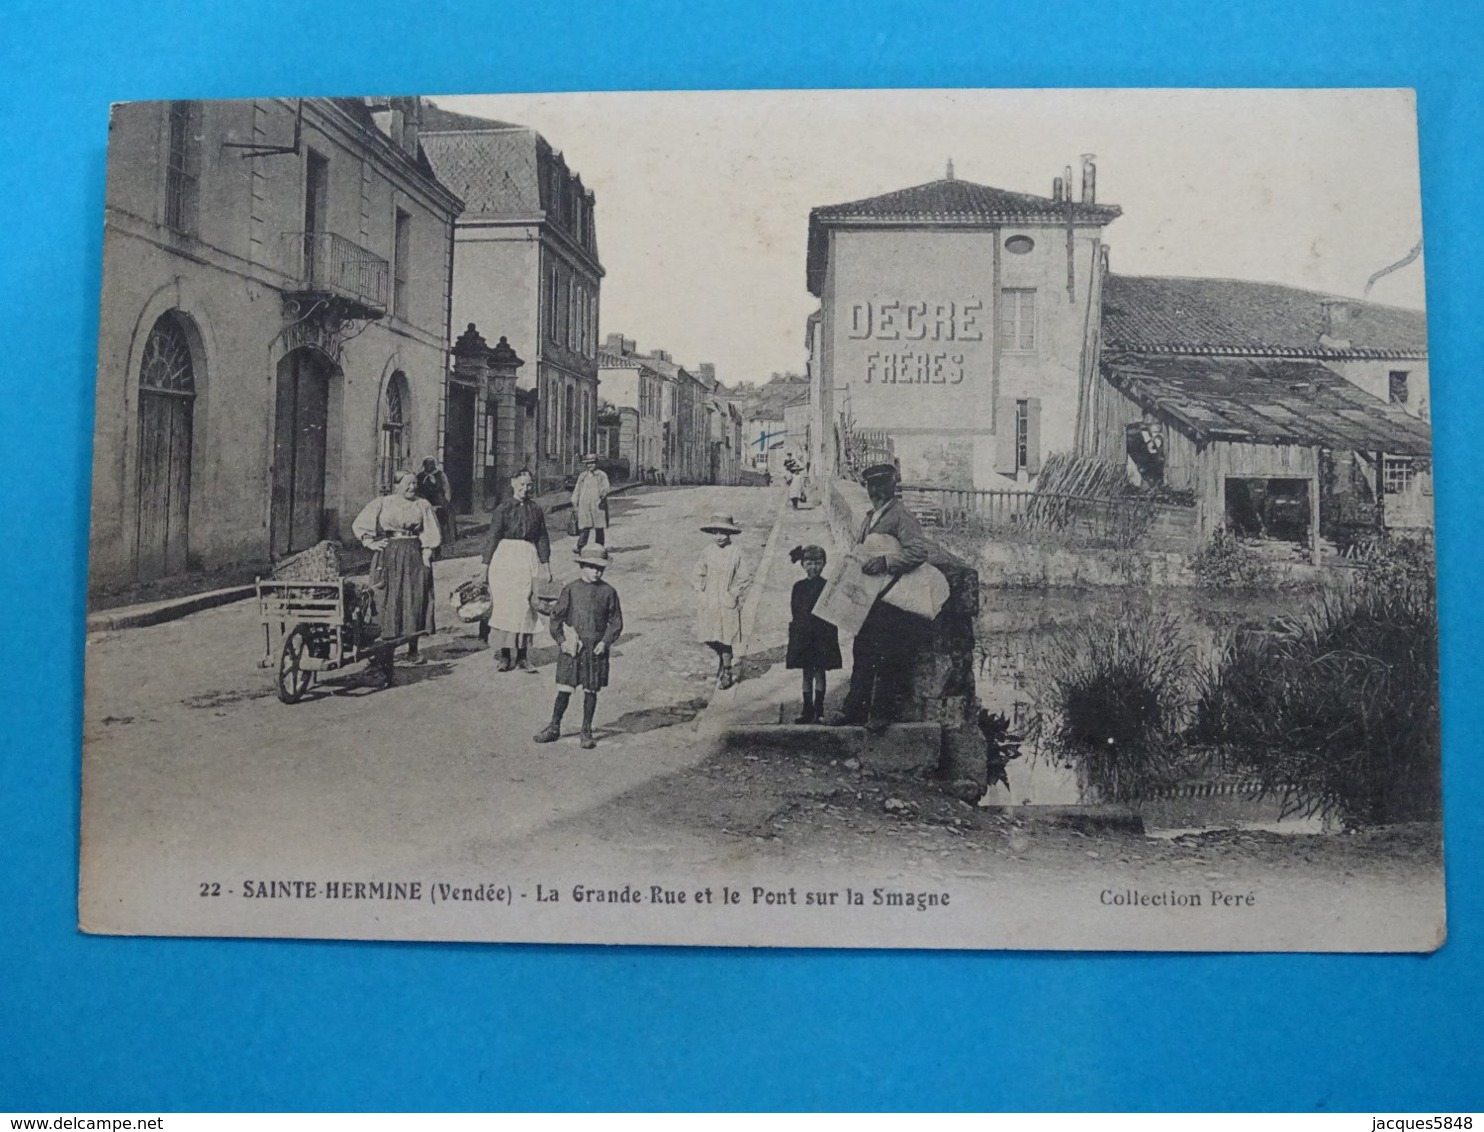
{"x":813,"y":645}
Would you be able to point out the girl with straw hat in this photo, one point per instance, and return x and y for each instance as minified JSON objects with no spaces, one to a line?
{"x":720,"y":580}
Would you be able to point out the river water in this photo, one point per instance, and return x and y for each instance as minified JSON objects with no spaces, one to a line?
{"x":1015,"y":631}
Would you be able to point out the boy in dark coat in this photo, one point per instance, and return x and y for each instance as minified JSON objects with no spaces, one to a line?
{"x":813,"y":644}
{"x":589,"y":608}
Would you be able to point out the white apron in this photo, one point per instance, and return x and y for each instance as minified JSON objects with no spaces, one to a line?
{"x":513,"y":569}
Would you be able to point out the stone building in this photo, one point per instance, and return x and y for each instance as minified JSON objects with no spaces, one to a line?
{"x":526,"y":268}
{"x":273,"y":328}
{"x":631,"y":386}
{"x":954,"y":317}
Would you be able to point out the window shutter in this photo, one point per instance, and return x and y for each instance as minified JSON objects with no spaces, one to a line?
{"x":1004,"y":436}
{"x":1033,"y":436}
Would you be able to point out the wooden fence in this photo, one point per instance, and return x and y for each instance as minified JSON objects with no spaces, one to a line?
{"x":1122,"y":522}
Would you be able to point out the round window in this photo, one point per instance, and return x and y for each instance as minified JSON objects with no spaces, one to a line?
{"x":1019,"y":245}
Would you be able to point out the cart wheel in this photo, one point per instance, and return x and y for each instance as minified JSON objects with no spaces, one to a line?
{"x":293,"y":678}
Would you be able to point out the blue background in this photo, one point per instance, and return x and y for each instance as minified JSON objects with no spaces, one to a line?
{"x":121,"y":1024}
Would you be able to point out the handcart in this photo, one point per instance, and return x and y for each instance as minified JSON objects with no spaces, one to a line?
{"x":319,"y":623}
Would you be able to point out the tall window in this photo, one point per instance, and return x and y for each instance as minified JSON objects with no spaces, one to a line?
{"x":401,"y":256}
{"x":1022,"y":434}
{"x":551,"y":304}
{"x":316,"y":214}
{"x":180,"y":169}
{"x":392,"y":455}
{"x":1396,"y":386}
{"x":1018,"y":320}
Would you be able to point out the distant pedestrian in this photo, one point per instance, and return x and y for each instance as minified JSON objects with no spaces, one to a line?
{"x":586,"y":622}
{"x":813,"y":644}
{"x":433,"y":485}
{"x":720,"y":579}
{"x":793,"y":476}
{"x":590,"y":502}
{"x":517,"y":554}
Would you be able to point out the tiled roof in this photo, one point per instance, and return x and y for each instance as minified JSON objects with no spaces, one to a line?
{"x":946,"y":202}
{"x":494,"y":173}
{"x":616,"y":361}
{"x":1266,"y":401}
{"x":1235,"y":316}
{"x":961,"y":202}
{"x":434,"y":117}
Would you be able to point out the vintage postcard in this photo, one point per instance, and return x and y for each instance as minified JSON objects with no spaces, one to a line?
{"x":928,"y":519}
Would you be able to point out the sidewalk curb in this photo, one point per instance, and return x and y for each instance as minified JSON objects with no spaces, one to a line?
{"x":158,"y":612}
{"x":138,"y":616}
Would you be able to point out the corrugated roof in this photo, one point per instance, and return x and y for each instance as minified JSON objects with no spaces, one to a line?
{"x":949,"y":202}
{"x":1266,"y":401}
{"x":1235,"y":316}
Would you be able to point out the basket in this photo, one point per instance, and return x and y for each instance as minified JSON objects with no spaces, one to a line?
{"x":544,"y":597}
{"x":320,"y":563}
{"x":472,"y":600}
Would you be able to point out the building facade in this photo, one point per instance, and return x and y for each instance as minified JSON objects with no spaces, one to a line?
{"x":273,"y":331}
{"x":954,"y":317}
{"x":631,"y":386}
{"x":526,"y":268}
{"x":1260,"y":399}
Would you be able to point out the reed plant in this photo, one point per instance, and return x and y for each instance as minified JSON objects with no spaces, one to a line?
{"x":1115,"y":696}
{"x":1336,"y":712}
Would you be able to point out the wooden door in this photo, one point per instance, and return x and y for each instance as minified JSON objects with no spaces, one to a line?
{"x":458,"y":448}
{"x":301,"y":418}
{"x":163,"y":484}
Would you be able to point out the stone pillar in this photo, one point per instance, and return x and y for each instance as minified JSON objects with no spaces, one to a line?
{"x":470,"y":372}
{"x":503,"y":364}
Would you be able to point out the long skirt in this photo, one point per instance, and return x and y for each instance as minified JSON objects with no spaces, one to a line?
{"x":513,"y":571}
{"x":406,"y":596}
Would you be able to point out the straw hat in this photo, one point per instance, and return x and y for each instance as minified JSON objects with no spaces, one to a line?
{"x":590,"y":458}
{"x":721,"y":525}
{"x":594,"y":556}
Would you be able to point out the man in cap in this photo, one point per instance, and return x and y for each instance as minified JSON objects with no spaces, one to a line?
{"x":590,"y":502}
{"x":885,"y":649}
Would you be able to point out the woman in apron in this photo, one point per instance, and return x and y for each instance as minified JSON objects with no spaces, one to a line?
{"x":518,"y":553}
{"x":403,"y":530}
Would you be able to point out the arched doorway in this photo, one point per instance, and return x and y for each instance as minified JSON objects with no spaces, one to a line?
{"x":301,"y":424}
{"x":392,"y":452}
{"x":167,"y":396}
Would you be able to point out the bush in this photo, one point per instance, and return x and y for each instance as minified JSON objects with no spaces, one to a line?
{"x":1117,"y":699}
{"x":1337,"y":713}
{"x":1228,"y":564}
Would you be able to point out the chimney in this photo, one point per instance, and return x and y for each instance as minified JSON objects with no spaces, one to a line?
{"x":1089,"y":179}
{"x":949,"y":175}
{"x":1057,"y":187}
{"x":707,"y":370}
{"x":1336,"y":332}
